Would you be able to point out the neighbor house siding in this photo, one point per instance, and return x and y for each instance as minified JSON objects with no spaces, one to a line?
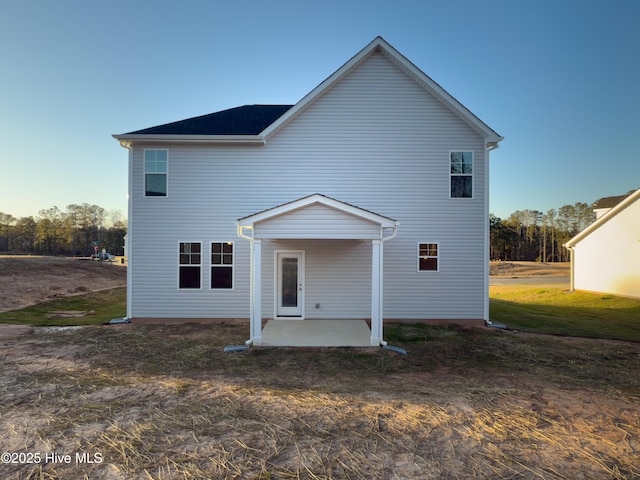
{"x":608,"y":259}
{"x":376,"y":140}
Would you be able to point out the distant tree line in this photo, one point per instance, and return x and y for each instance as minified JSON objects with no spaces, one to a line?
{"x":72,"y":232}
{"x":531,"y":235}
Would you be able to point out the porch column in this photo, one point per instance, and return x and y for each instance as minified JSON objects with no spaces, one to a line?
{"x":376,"y":292}
{"x":256,"y":292}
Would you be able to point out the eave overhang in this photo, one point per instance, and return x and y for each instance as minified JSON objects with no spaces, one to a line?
{"x":126,"y":140}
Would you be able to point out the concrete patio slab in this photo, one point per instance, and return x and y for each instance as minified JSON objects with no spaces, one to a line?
{"x":316,"y":333}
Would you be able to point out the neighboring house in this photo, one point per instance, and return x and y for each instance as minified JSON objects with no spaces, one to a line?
{"x":367,"y":199}
{"x":605,"y":256}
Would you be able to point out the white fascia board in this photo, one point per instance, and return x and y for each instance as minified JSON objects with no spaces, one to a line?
{"x":192,"y":139}
{"x":385,"y":222}
{"x":604,"y":219}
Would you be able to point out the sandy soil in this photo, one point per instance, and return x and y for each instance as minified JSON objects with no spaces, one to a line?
{"x":27,"y":281}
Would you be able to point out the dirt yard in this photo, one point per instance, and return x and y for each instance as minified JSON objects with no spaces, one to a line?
{"x":165,"y":402}
{"x":26,"y":281}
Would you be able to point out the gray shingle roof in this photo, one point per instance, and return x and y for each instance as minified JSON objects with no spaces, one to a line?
{"x":610,"y":202}
{"x":245,"y":120}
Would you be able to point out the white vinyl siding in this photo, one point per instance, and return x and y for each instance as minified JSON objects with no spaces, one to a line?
{"x":377,"y":140}
{"x":317,"y":221}
{"x":337,"y":277}
{"x":607,"y":260}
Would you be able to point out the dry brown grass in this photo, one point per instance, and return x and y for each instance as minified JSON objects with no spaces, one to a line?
{"x":529,"y":269}
{"x":164,"y":402}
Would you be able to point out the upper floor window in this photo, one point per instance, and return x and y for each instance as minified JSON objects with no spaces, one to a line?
{"x":155,"y":173}
{"x":461,"y":174}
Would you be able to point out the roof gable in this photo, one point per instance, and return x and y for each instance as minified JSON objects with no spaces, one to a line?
{"x":255,"y":124}
{"x":315,"y":199}
{"x":380,"y":45}
{"x":629,"y":200}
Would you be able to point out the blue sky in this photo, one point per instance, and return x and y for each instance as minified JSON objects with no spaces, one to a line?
{"x":558,"y":79}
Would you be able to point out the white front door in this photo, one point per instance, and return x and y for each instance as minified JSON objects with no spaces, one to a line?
{"x":290,"y":284}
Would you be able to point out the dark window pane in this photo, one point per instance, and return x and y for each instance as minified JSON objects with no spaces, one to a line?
{"x":227,"y":248}
{"x":216,"y":248}
{"x":428,"y":264}
{"x":227,"y":259}
{"x":216,"y":259}
{"x":184,"y":259}
{"x":189,"y":277}
{"x":221,"y":277}
{"x":195,"y":248}
{"x":155,"y":185}
{"x":195,"y":259}
{"x":461,"y":187}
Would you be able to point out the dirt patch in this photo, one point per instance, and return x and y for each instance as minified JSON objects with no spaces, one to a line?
{"x":165,"y":402}
{"x":26,"y":281}
{"x":529,"y":269}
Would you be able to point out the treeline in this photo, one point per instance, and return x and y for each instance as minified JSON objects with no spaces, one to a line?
{"x":530,"y":235}
{"x":73,"y":232}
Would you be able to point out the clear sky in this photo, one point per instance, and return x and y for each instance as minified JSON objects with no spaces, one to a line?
{"x":558,"y":79}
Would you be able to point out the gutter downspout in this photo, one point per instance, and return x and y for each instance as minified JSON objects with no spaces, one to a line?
{"x":382,"y":240}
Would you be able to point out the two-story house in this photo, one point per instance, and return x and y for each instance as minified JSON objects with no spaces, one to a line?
{"x":367,"y":199}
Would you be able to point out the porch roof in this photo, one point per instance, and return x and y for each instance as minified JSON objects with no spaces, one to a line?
{"x":319,"y":217}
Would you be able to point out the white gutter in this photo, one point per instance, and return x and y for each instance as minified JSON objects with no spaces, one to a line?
{"x":193,"y":139}
{"x":383,"y":239}
{"x":247,"y":237}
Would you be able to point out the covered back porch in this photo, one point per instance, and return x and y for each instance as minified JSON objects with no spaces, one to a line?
{"x":325,"y":247}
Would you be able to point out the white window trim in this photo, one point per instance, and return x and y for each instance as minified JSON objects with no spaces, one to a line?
{"x":438,"y":257}
{"x":144,"y":174}
{"x":180,"y":265}
{"x":472,"y":174}
{"x":233,"y":267}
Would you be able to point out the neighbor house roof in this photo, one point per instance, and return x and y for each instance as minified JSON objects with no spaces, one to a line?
{"x":610,"y":202}
{"x":245,"y":120}
{"x":627,"y":200}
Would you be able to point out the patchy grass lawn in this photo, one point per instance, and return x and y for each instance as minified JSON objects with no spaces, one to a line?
{"x":165,"y":402}
{"x":88,"y":309}
{"x":560,"y":312}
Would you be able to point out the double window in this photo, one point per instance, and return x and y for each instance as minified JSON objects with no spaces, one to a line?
{"x":190,"y":265}
{"x":428,"y":257}
{"x":461,"y":164}
{"x":155,"y":173}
